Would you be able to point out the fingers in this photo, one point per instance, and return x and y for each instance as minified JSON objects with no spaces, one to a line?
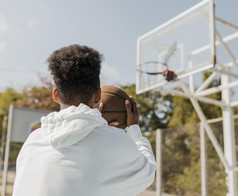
{"x":100,"y":107}
{"x":128,"y":107}
{"x":133,"y":104}
{"x":134,"y":110}
{"x":114,"y":124}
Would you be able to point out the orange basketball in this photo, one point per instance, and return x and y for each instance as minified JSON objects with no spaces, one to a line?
{"x":114,"y":109}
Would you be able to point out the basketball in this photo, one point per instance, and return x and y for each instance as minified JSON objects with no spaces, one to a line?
{"x":114,"y":109}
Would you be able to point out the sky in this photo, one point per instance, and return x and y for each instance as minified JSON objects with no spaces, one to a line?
{"x":31,"y":30}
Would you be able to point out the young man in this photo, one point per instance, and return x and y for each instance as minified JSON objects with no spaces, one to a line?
{"x":75,"y":152}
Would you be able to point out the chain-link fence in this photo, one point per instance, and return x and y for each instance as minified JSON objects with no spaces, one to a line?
{"x":181,"y":161}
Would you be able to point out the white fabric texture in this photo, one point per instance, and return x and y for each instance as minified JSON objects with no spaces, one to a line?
{"x":76,"y":153}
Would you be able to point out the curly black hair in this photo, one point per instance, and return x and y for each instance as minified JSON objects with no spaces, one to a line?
{"x":76,"y":71}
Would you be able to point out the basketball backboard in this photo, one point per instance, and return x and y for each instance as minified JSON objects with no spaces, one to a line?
{"x":21,"y":120}
{"x":191,"y":37}
{"x":187,"y":45}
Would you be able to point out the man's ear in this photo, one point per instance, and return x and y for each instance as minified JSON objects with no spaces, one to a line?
{"x":97,"y":95}
{"x":55,"y":96}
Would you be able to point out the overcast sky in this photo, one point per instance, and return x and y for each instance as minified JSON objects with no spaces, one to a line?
{"x":31,"y":30}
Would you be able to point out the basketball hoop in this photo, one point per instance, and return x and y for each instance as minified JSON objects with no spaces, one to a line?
{"x":168,"y":74}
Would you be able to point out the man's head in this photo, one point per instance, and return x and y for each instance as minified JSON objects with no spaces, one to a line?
{"x":76,"y":71}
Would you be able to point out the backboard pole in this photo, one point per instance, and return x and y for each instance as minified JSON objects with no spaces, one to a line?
{"x":212,"y":32}
{"x":227,"y":50}
{"x":188,"y":95}
{"x":217,"y":89}
{"x":206,"y":83}
{"x":4,"y":126}
{"x":191,"y":78}
{"x":207,"y":127}
{"x":159,"y":162}
{"x":204,"y":188}
{"x":229,"y":137}
{"x":224,"y":72}
{"x":227,"y":24}
{"x":138,"y":66}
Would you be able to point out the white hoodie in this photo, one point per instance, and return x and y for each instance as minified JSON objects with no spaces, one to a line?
{"x":76,"y":153}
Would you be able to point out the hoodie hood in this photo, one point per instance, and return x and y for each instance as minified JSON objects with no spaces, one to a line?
{"x":68,"y":126}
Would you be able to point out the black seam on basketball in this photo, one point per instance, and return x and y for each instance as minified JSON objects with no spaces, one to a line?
{"x":114,"y":94}
{"x":113,"y":111}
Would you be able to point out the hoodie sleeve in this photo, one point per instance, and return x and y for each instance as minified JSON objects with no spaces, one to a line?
{"x":145,"y":165}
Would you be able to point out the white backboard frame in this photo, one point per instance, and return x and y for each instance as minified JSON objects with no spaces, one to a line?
{"x":148,"y":36}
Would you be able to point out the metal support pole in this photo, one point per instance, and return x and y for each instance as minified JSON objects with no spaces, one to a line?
{"x":138,"y":66}
{"x":227,"y":24}
{"x":206,"y":83}
{"x":203,"y":160}
{"x":212,"y":32}
{"x":224,"y":72}
{"x":229,"y":137}
{"x":159,"y":162}
{"x":207,"y":47}
{"x":217,"y":89}
{"x":7,"y":150}
{"x":191,"y":78}
{"x":207,"y":127}
{"x":188,"y":95}
{"x":4,"y":126}
{"x":226,"y":49}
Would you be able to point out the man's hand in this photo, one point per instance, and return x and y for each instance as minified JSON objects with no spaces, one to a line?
{"x":132,"y":112}
{"x":100,"y":107}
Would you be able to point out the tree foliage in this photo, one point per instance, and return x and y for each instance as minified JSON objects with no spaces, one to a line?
{"x":8,"y":97}
{"x":39,"y":97}
{"x":153,"y":108}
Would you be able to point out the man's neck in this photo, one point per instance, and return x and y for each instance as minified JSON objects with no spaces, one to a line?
{"x":64,"y":106}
